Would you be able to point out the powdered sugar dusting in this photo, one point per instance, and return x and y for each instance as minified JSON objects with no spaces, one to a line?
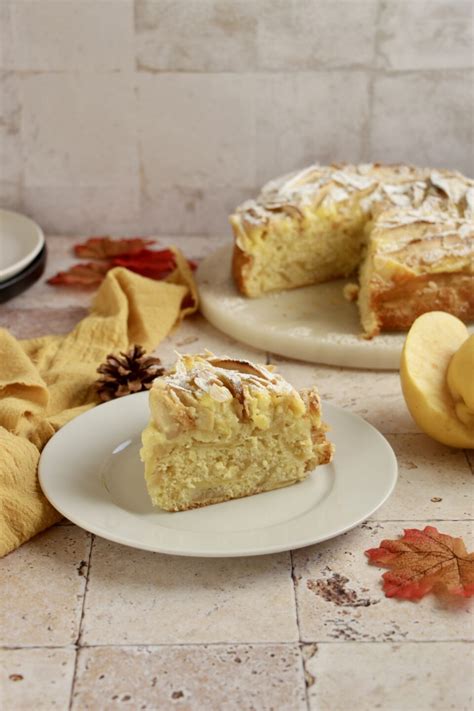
{"x":452,"y":184}
{"x":376,"y":186}
{"x":207,"y":373}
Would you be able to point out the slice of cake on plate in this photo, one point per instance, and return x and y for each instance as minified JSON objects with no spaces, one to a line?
{"x":223,"y":428}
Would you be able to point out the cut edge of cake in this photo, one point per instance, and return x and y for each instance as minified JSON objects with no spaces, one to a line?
{"x":342,"y":208}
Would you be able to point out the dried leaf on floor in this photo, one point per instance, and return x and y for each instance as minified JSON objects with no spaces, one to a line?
{"x":106,"y":247}
{"x":424,"y":561}
{"x":88,"y":274}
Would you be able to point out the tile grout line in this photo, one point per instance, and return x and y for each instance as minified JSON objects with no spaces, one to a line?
{"x":418,"y":520}
{"x":197,"y":645}
{"x":295,"y":597}
{"x":366,"y":129}
{"x":79,"y":632}
{"x":255,"y":71}
{"x":374,"y":520}
{"x":463,"y":640}
{"x":379,"y":64}
{"x":305,"y":676}
{"x":300,"y":641}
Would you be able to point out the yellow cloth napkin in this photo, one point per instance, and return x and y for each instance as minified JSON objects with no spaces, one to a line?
{"x":45,"y":382}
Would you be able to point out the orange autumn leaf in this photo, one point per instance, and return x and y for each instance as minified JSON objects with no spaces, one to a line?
{"x":105,"y":247}
{"x":422,"y":562}
{"x":154,"y":264}
{"x":86,"y":274}
{"x":130,"y":253}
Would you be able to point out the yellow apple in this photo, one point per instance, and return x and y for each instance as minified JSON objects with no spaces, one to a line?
{"x":434,"y":342}
{"x":460,"y":380}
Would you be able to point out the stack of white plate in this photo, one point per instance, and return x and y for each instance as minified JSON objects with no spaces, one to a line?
{"x":22,"y":253}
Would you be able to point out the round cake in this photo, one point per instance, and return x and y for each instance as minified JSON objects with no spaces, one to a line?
{"x":407,"y":232}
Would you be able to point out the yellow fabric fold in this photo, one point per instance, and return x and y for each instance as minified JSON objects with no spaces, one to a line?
{"x":45,"y":382}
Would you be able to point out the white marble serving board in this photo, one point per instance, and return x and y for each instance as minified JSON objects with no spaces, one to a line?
{"x":314,"y":323}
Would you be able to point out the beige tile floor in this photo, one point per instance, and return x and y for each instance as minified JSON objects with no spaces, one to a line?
{"x":88,"y":624}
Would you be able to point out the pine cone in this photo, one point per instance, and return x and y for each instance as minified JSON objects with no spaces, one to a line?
{"x":127,"y":373}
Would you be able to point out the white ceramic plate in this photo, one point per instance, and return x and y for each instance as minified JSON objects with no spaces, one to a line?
{"x":91,"y":472}
{"x":21,"y":240}
{"x":314,"y":323}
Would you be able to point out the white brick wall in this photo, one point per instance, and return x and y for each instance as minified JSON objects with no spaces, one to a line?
{"x":159,"y":116}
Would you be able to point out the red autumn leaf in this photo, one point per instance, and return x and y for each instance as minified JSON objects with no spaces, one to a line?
{"x":146,"y":256}
{"x":160,"y":257}
{"x":154,"y":264}
{"x":86,"y":274}
{"x":149,"y":263}
{"x":422,"y":562}
{"x":105,"y":247}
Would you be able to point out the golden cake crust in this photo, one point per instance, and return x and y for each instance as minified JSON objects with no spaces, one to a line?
{"x":240,"y":265}
{"x":433,"y":208}
{"x":399,"y":306}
